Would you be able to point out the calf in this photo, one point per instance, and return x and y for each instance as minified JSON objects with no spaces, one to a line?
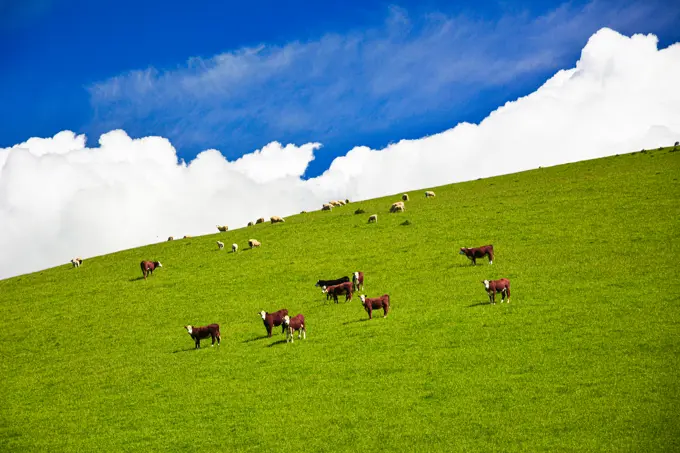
{"x":272,"y":320}
{"x":376,"y":304}
{"x":296,"y":323}
{"x":338,"y":290}
{"x":358,"y":281}
{"x":478,"y":252}
{"x":148,"y":267}
{"x":200,"y":333}
{"x":497,"y":286}
{"x":220,"y":245}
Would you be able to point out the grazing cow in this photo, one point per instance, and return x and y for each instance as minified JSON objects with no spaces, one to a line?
{"x":253,"y":243}
{"x":397,"y":207}
{"x":220,"y":245}
{"x":260,"y":220}
{"x":234,"y":248}
{"x":358,"y":281}
{"x":497,"y":286}
{"x":429,"y":194}
{"x":250,"y":224}
{"x":171,"y":238}
{"x":327,"y":207}
{"x":376,"y":304}
{"x":272,"y":320}
{"x":149,"y":266}
{"x":478,"y":252}
{"x":187,"y":237}
{"x":404,"y":197}
{"x":222,"y":228}
{"x":77,"y":262}
{"x":276,"y":219}
{"x":200,"y":333}
{"x":296,"y":323}
{"x":339,"y":290}
{"x":373,"y":218}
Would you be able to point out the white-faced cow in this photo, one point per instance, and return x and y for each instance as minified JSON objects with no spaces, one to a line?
{"x":358,"y":281}
{"x":376,"y":303}
{"x":148,"y":267}
{"x":296,"y":323}
{"x":478,"y":252}
{"x":497,"y":286}
{"x":200,"y":333}
{"x":272,"y":320}
{"x":339,"y":290}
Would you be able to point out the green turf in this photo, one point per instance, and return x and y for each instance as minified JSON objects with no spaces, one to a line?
{"x":585,"y":358}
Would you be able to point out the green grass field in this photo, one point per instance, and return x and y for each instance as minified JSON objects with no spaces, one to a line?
{"x":585,"y":358}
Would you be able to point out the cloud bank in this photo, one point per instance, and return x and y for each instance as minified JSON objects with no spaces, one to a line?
{"x":60,"y":198}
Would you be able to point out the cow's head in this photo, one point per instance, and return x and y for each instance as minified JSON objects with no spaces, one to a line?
{"x":318,"y":283}
{"x":189,"y":329}
{"x":363,"y":299}
{"x":356,"y":276}
{"x":286,"y":320}
{"x":485,"y":283}
{"x":463,"y":251}
{"x":324,"y":290}
{"x":263,"y":314}
{"x":159,"y":264}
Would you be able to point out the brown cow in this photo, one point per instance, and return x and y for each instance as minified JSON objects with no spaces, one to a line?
{"x":497,"y":286}
{"x":358,"y":280}
{"x":478,"y":252}
{"x":376,"y":304}
{"x":148,"y":267}
{"x":199,"y":333}
{"x":272,"y":320}
{"x":338,"y":290}
{"x":296,"y":323}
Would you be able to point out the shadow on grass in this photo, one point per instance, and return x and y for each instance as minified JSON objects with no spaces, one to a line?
{"x":478,"y":304}
{"x":184,"y":350}
{"x":136,"y":279}
{"x":255,"y":339}
{"x":355,"y":321}
{"x":276,"y":343}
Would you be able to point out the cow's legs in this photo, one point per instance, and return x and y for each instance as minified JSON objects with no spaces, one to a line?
{"x":304,"y":333}
{"x":508,"y":293}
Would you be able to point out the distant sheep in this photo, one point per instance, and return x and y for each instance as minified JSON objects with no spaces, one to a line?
{"x":404,"y":197}
{"x":340,"y":203}
{"x":220,"y":245}
{"x":187,"y":237}
{"x":327,"y":207}
{"x":222,"y":228}
{"x":234,"y":248}
{"x":397,"y":207}
{"x":77,"y":262}
{"x":277,"y":219}
{"x":373,"y":218}
{"x":334,"y":203}
{"x":250,"y":224}
{"x":260,"y":220}
{"x":347,"y":201}
{"x":171,"y":238}
{"x":253,"y":243}
{"x":429,"y":194}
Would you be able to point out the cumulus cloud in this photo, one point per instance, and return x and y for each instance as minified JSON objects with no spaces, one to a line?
{"x":59,"y":198}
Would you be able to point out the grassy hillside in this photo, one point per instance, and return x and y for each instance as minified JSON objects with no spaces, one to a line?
{"x":585,"y":358}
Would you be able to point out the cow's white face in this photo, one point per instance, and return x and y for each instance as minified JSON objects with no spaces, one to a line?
{"x":323,"y":289}
{"x":486,"y":284}
{"x":263,"y":314}
{"x":286,"y":320}
{"x":159,"y":264}
{"x":363,"y":298}
{"x":356,"y":276}
{"x":189,"y":329}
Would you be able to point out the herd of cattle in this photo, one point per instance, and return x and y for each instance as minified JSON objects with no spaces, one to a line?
{"x":331,"y":288}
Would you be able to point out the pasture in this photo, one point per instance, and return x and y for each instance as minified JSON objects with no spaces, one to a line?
{"x":585,"y":358}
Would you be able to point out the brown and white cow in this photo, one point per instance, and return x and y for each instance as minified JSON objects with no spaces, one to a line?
{"x":77,"y":261}
{"x":148,"y":267}
{"x":358,"y":281}
{"x":376,"y":303}
{"x":272,"y":320}
{"x":339,"y":290}
{"x":478,"y":252}
{"x":200,"y":333}
{"x":296,"y":323}
{"x":497,"y":286}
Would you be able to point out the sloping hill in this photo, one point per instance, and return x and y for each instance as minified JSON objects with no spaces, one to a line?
{"x":585,"y":358}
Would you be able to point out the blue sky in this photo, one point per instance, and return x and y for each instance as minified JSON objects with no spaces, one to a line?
{"x":238,"y":75}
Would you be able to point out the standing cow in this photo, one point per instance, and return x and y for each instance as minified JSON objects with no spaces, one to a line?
{"x":200,"y":333}
{"x":148,"y":267}
{"x":339,"y":290}
{"x":497,"y":286}
{"x":376,"y":303}
{"x":296,"y":323}
{"x":358,"y":281}
{"x":478,"y":252}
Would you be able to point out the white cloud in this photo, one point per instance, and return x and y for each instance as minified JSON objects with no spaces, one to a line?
{"x":59,"y":198}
